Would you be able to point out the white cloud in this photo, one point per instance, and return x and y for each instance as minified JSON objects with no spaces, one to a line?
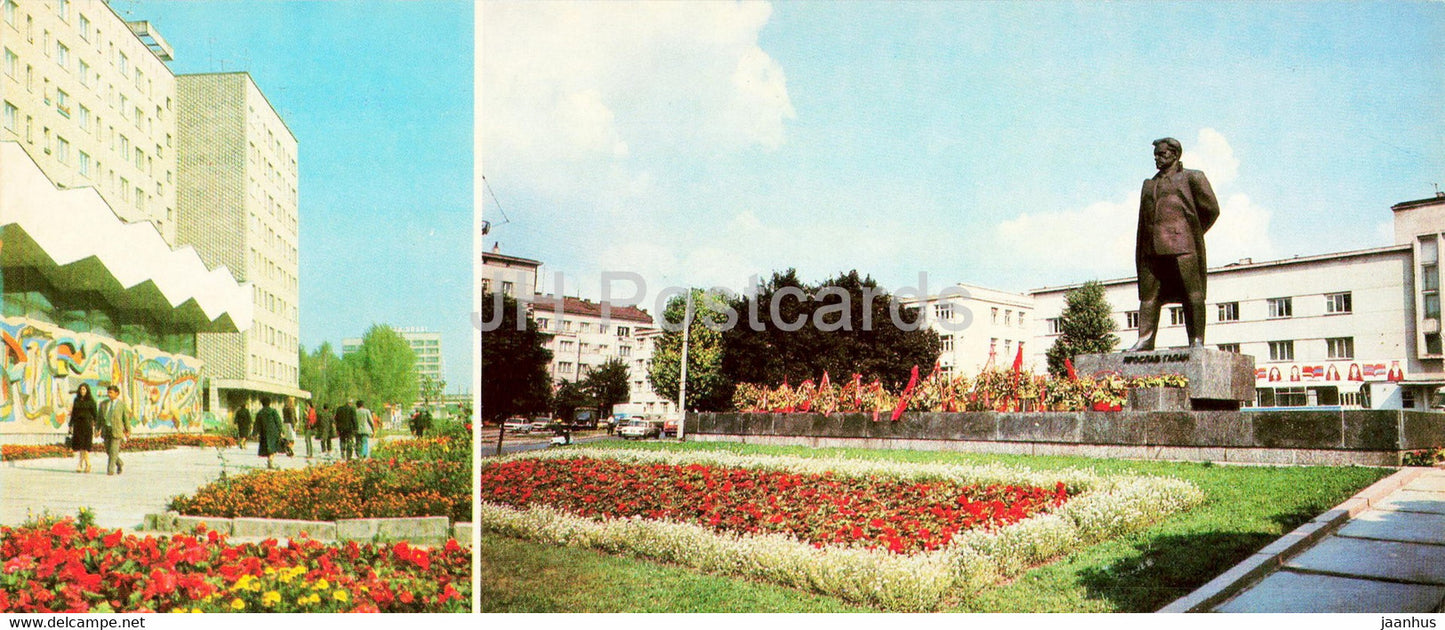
{"x":1099,"y":238}
{"x":562,"y":83}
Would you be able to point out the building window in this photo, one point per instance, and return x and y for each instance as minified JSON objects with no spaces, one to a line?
{"x":1291,"y":397}
{"x":994,"y":316}
{"x":1056,"y":325}
{"x":62,"y":55}
{"x":565,"y":346}
{"x":1021,"y":319}
{"x":1176,"y":316}
{"x":62,"y":150}
{"x":624,"y":331}
{"x":541,"y":322}
{"x":947,"y":343}
{"x":1281,"y":307}
{"x":12,"y":63}
{"x":1341,"y":347}
{"x":993,"y":345}
{"x":564,"y":367}
{"x":1008,"y":318}
{"x":125,"y":72}
{"x":1131,"y":320}
{"x":585,"y":327}
{"x":1430,"y":276}
{"x":12,"y":116}
{"x":508,"y":288}
{"x":62,"y":103}
{"x":1229,"y":312}
{"x":85,"y":118}
{"x":943,"y":312}
{"x":84,"y":27}
{"x":1407,"y":398}
{"x":10,"y":8}
{"x":1281,"y":351}
{"x":625,"y":351}
{"x":1229,"y":347}
{"x":1008,"y":347}
{"x":566,"y":326}
{"x":1338,"y":303}
{"x":62,"y":9}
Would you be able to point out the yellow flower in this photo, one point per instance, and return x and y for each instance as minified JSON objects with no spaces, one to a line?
{"x":321,"y":586}
{"x":340,"y":595}
{"x":237,"y":604}
{"x":270,"y":571}
{"x":270,"y":598}
{"x":179,"y":610}
{"x":195,"y":610}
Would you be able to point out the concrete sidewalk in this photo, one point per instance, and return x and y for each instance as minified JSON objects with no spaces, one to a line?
{"x":122,"y":501}
{"x":1386,"y":555}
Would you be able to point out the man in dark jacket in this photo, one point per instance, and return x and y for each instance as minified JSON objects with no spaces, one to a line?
{"x":1176,"y":207}
{"x":346,"y":429}
{"x":325,"y":428}
{"x":243,"y":425}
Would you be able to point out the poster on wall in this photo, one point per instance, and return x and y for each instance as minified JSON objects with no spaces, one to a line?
{"x":41,"y":366}
{"x":1330,"y":371}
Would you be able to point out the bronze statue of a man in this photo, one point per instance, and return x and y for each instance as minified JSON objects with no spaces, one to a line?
{"x":1176,"y":208}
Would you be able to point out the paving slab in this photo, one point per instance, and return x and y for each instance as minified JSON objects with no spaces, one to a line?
{"x":1358,"y":557}
{"x":1291,"y":592}
{"x":1417,"y":527}
{"x":1433,"y":481}
{"x":1414,"y":501}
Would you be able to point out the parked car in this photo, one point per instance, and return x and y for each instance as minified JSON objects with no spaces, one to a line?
{"x":517,"y":425}
{"x":669,"y":427}
{"x":640,"y":429}
{"x":541,"y":424}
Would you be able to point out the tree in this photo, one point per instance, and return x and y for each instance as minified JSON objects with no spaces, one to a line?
{"x":325,"y":375}
{"x":844,"y":325}
{"x":607,"y":385}
{"x":1087,"y":326}
{"x":569,"y":396}
{"x":707,"y":388}
{"x":431,"y":388}
{"x":388,"y":367}
{"x":514,"y":363}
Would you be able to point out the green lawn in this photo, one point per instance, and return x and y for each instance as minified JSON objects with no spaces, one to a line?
{"x":1247,"y":508}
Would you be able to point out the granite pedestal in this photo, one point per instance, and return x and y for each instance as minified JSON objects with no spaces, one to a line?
{"x":1217,"y":379}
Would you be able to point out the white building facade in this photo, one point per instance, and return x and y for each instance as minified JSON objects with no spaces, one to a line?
{"x":425,"y":344}
{"x":977,"y":326}
{"x":239,"y":207}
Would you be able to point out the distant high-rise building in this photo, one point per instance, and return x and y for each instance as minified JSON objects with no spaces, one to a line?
{"x":426,"y":344}
{"x":238,"y":208}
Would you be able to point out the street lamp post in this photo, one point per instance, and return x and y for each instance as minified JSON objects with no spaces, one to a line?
{"x":682,"y":382}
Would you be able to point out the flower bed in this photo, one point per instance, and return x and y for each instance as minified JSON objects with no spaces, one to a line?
{"x":60,"y":567}
{"x":426,"y":477}
{"x":901,"y":516}
{"x":18,"y":452}
{"x":869,"y":569}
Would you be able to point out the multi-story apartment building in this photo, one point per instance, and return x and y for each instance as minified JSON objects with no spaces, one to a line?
{"x":91,"y":99}
{"x":98,"y":286}
{"x":425,"y":344}
{"x":977,"y":326}
{"x":238,"y":207}
{"x":1354,"y":329}
{"x":509,"y":275}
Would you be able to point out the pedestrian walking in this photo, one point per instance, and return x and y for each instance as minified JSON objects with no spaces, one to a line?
{"x":288,"y":429}
{"x":325,"y":428}
{"x":346,"y":429}
{"x":116,"y":419}
{"x":268,"y":432}
{"x":243,"y":425}
{"x":365,"y":428}
{"x":83,"y":413}
{"x":309,"y":428}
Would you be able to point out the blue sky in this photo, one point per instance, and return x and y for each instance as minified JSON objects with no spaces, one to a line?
{"x":995,"y":143}
{"x":380,"y":98}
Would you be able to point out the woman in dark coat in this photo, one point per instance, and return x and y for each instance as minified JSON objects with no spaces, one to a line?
{"x":83,"y":413}
{"x":268,"y":432}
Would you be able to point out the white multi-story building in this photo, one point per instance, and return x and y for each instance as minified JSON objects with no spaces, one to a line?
{"x":99,"y":285}
{"x":90,"y":98}
{"x":978,"y":326}
{"x":509,"y":275}
{"x":239,"y":208}
{"x":425,"y":344}
{"x":582,"y":339}
{"x":1354,"y":329}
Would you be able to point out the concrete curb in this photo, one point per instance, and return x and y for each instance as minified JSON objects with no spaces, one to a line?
{"x":419,"y":530}
{"x":1275,"y":554}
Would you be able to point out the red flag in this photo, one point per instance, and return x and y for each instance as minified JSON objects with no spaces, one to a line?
{"x":907,"y":393}
{"x":805,"y":405}
{"x":1019,"y":360}
{"x":1073,"y":376}
{"x":824,"y":384}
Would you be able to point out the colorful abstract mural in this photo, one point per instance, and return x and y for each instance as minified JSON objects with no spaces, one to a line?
{"x":41,"y":366}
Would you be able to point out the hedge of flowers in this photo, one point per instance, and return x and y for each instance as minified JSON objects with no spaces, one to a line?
{"x":990,"y":390}
{"x":898,"y":515}
{"x":17,"y":452}
{"x":1098,"y":507}
{"x":425,"y":477}
{"x":62,"y":567}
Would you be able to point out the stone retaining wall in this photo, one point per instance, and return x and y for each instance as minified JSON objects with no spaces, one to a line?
{"x":420,"y":530}
{"x":1366,"y":437}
